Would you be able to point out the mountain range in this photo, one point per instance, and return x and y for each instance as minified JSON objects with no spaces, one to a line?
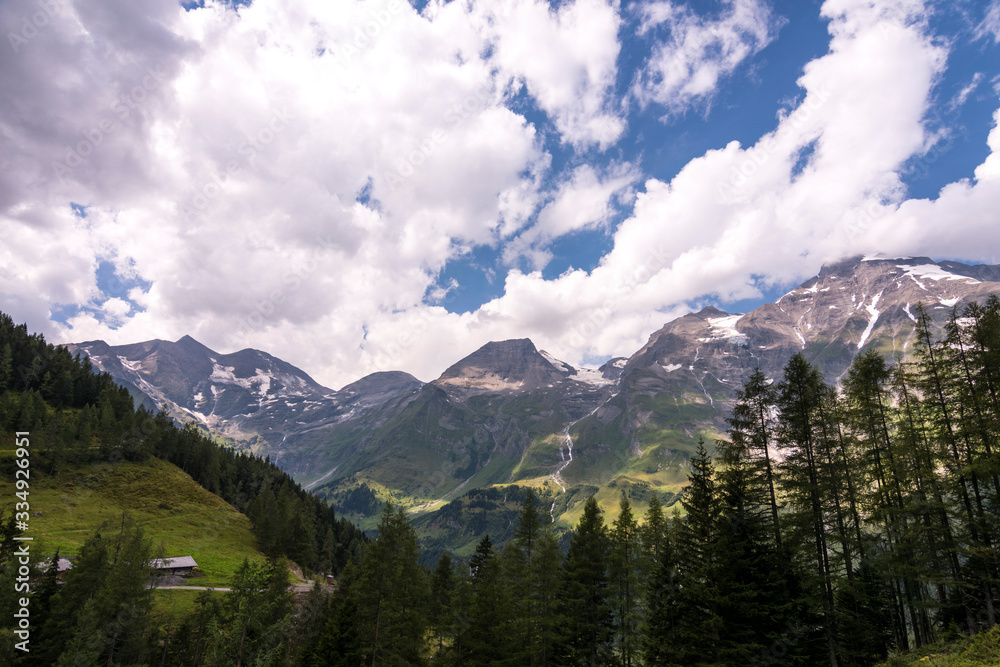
{"x":510,"y":413}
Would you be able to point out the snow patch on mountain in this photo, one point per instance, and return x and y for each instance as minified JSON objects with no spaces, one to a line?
{"x":131,"y":365}
{"x":224,"y":374}
{"x":724,"y":328}
{"x":591,"y":376}
{"x":935,"y":273}
{"x":874,"y":312}
{"x":560,"y":366}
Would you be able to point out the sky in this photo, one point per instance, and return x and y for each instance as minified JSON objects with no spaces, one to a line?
{"x":372,"y":185}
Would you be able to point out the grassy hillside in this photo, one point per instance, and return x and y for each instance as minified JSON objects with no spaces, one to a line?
{"x":983,"y":650}
{"x":174,"y":511}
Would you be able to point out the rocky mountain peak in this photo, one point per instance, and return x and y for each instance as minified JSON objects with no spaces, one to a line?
{"x":500,"y":366}
{"x":710,"y":312}
{"x":510,"y":411}
{"x":192,"y":345}
{"x":379,"y":387}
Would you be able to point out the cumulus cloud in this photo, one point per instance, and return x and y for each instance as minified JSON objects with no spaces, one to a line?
{"x":294,"y":176}
{"x":686,"y":68}
{"x":585,"y":199}
{"x":274,"y":173}
{"x":968,"y":205}
{"x":566,"y":57}
{"x":816,"y":188}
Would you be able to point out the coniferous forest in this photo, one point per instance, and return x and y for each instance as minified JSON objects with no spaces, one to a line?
{"x":832,"y":526}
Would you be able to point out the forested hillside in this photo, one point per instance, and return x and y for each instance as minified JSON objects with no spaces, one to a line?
{"x":831,"y":527}
{"x":77,"y":418}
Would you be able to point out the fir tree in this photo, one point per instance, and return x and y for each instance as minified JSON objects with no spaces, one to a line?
{"x":584,"y":597}
{"x":698,"y":627}
{"x":489,"y":630}
{"x":624,"y":566}
{"x":390,"y":592}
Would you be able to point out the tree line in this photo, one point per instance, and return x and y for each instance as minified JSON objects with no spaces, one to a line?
{"x":78,"y":416}
{"x":832,"y":525}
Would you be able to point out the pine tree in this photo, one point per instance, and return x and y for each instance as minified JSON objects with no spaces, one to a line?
{"x":440,"y":613}
{"x":751,"y":587}
{"x":697,"y":630}
{"x":6,"y":367}
{"x":624,"y":566}
{"x":339,"y":643}
{"x":550,"y":622}
{"x":390,"y":593}
{"x":802,"y":427}
{"x":660,"y":625}
{"x":530,"y":568}
{"x":752,"y":430}
{"x":104,"y":604}
{"x":489,"y":631}
{"x":584,"y":598}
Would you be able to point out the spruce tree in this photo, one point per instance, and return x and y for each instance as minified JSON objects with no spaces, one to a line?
{"x":584,"y":596}
{"x":440,"y":606}
{"x":753,"y":597}
{"x":697,"y":631}
{"x":801,"y":428}
{"x":390,"y":594}
{"x":488,"y":634}
{"x":624,"y":566}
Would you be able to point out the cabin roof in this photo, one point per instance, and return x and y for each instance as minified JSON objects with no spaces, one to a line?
{"x":173,"y":563}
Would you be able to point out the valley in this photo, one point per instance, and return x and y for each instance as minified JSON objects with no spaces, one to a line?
{"x":511,"y":414}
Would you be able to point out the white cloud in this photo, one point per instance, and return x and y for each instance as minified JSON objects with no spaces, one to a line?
{"x":585,"y":199}
{"x":566,"y":58}
{"x":961,"y":222}
{"x":297,"y":173}
{"x":962,"y":96}
{"x":990,"y":27}
{"x":803,"y":194}
{"x":686,"y":68}
{"x":228,"y":176}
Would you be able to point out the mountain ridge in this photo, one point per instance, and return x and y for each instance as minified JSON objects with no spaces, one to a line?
{"x":511,"y":413}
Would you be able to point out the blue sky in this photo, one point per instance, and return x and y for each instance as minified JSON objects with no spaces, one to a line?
{"x":374,"y":185}
{"x":743,"y":108}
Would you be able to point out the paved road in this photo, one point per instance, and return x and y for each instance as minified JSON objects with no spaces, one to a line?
{"x":295,"y":588}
